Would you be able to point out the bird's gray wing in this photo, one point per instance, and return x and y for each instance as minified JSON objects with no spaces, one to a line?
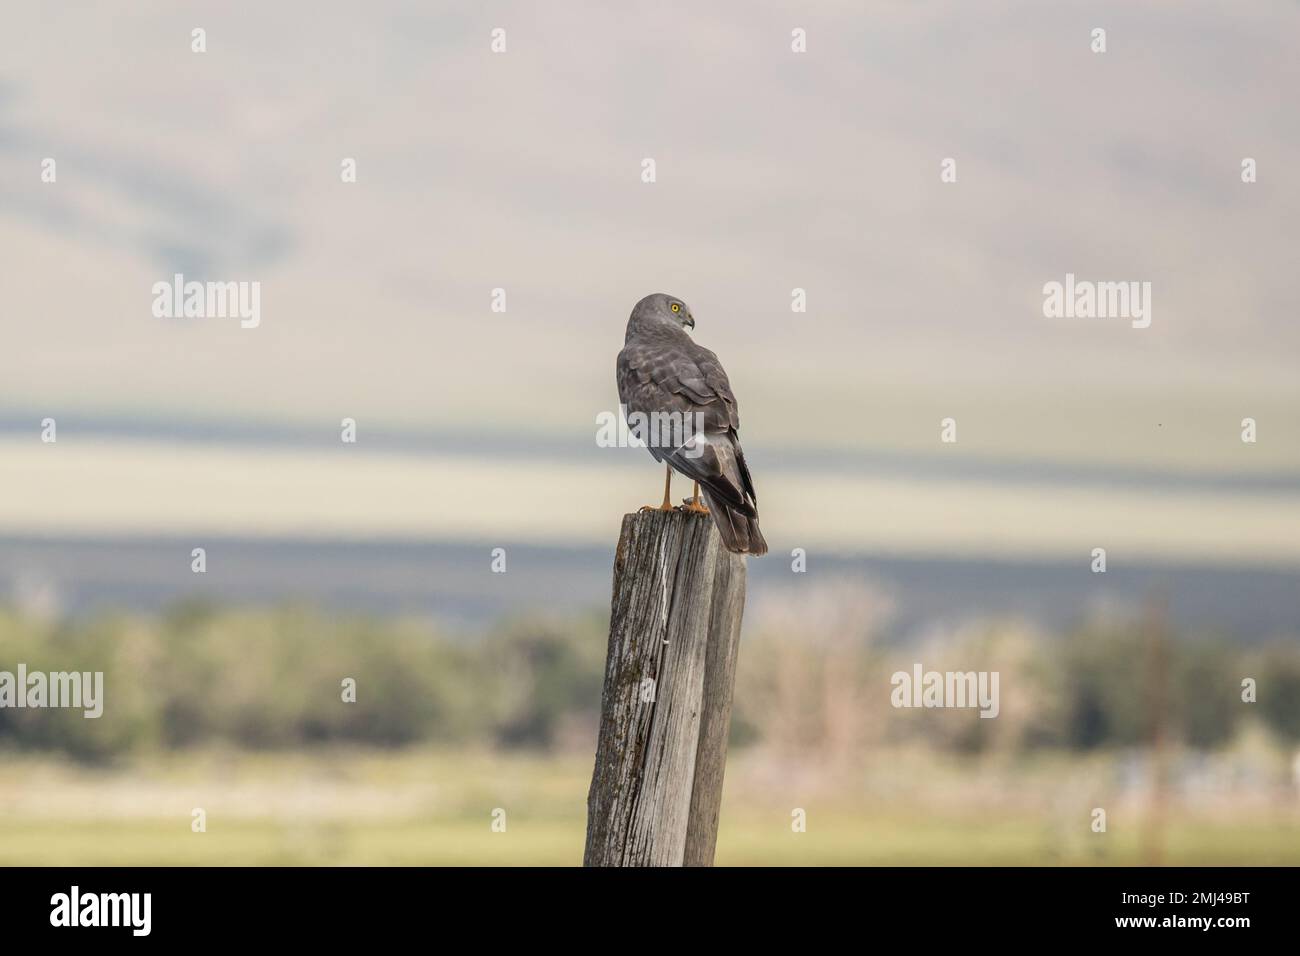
{"x":715,"y":376}
{"x":659,"y":376}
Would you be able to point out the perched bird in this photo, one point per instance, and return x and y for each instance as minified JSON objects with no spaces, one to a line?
{"x":665,"y":377}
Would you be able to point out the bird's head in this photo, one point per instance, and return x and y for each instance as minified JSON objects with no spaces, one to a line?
{"x":662,"y":307}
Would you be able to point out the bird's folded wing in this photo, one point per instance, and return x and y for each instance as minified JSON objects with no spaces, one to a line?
{"x":658,"y":378}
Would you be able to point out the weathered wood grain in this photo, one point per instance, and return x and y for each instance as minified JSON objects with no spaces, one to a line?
{"x":666,"y":704}
{"x":715,"y":720}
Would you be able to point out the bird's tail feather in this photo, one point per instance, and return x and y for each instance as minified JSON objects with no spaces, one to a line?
{"x":739,"y":531}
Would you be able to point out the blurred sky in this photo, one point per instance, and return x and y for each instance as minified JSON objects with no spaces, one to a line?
{"x":775,"y":170}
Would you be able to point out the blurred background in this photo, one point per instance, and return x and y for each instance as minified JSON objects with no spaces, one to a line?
{"x":476,"y":429}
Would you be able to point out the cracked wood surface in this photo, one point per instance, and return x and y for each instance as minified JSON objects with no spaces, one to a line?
{"x":674,"y":631}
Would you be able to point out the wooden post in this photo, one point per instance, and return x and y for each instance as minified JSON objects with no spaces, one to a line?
{"x":674,"y":630}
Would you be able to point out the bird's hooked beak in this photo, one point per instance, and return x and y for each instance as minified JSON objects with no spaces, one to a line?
{"x":690,"y":322}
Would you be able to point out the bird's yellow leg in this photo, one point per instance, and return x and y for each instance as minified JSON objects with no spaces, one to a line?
{"x":697,"y":503}
{"x":668,"y":483}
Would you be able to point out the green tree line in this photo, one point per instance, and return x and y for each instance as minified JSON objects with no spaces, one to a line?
{"x":275,"y":678}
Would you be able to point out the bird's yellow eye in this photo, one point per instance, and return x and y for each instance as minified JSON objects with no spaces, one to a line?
{"x":676,"y":307}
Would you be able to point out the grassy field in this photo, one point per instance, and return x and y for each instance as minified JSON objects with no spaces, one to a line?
{"x":429,"y":807}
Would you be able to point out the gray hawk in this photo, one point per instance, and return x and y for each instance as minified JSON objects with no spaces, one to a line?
{"x":677,"y":400}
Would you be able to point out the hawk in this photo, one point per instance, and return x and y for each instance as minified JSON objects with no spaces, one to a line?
{"x":677,"y":400}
